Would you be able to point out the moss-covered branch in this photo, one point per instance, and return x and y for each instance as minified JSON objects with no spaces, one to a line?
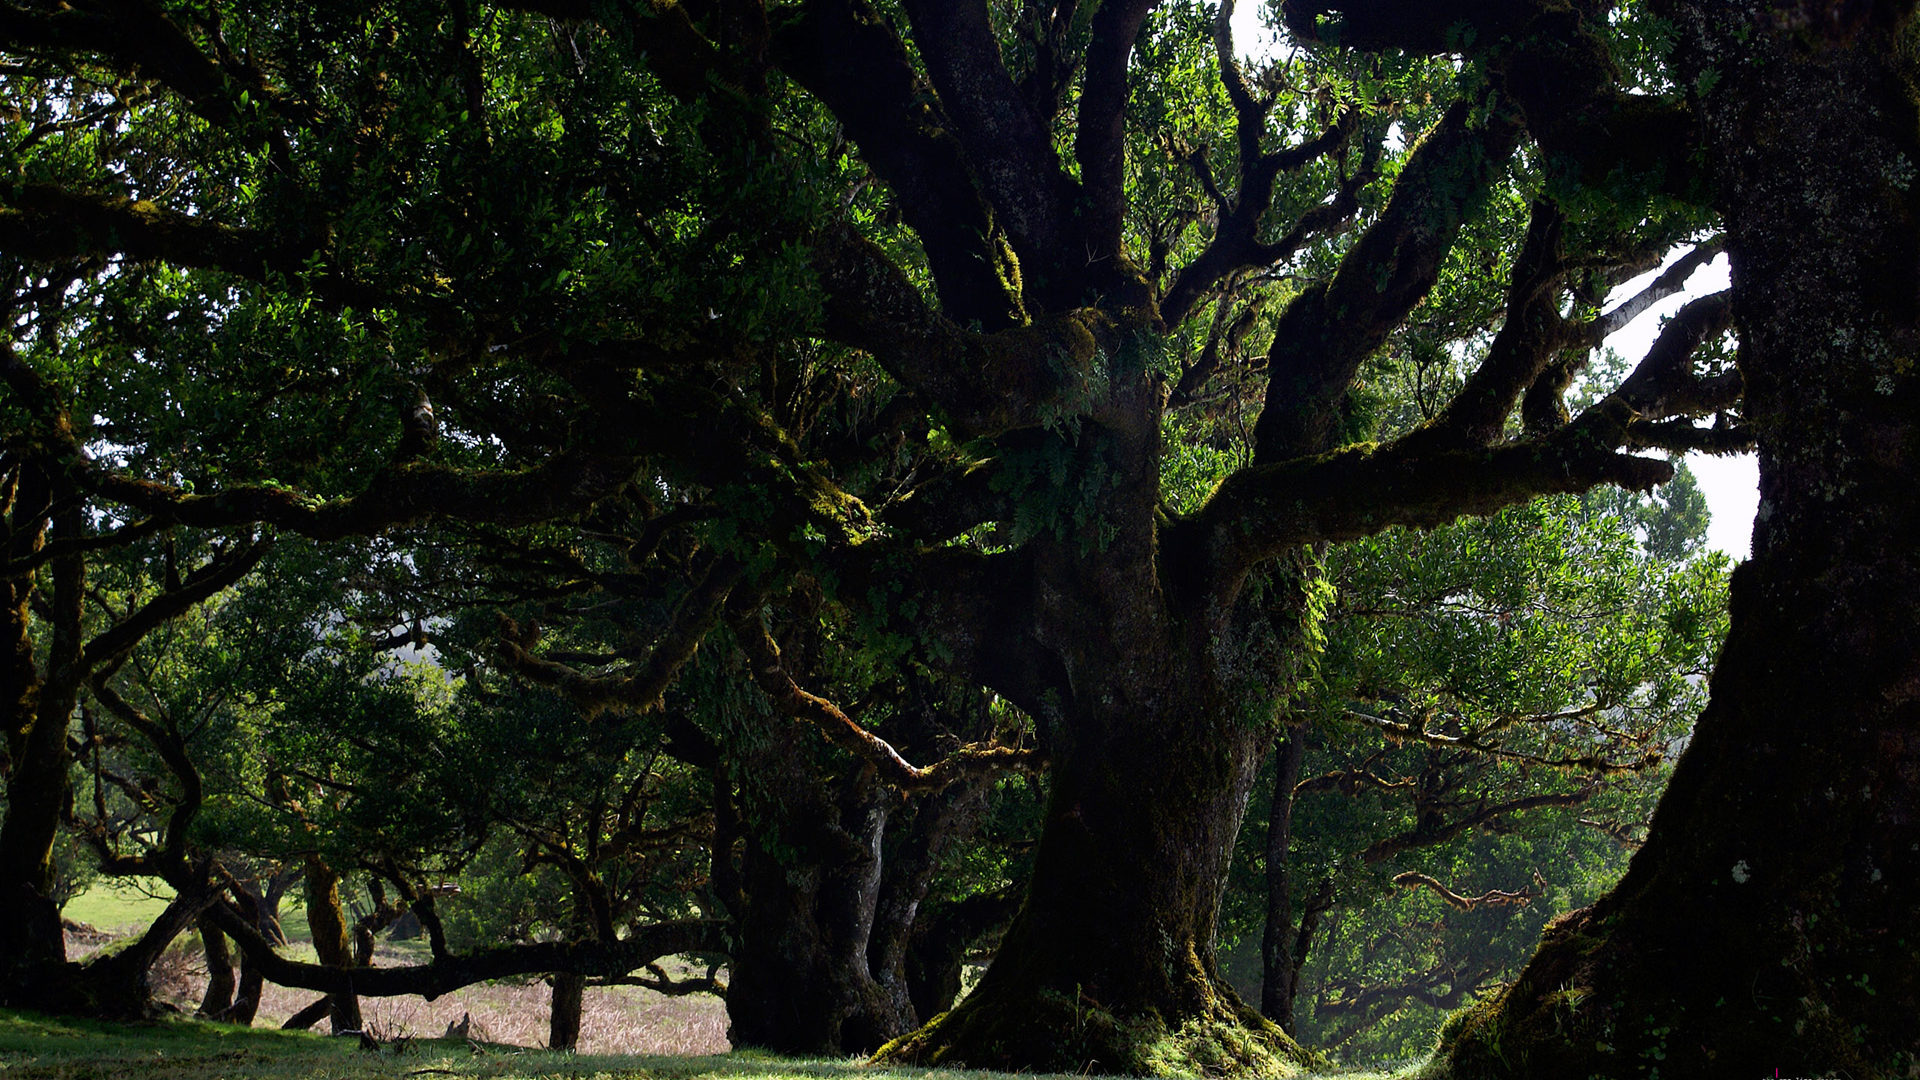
{"x":1357,"y":491}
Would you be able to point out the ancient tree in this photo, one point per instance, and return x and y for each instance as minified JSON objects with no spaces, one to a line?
{"x":1767,"y":922}
{"x":1041,"y":248}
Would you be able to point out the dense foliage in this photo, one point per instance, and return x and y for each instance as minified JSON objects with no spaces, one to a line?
{"x":836,"y":485}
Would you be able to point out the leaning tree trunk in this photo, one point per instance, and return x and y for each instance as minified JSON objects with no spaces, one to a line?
{"x":118,"y":984}
{"x":1769,"y":923}
{"x":217,"y":1001}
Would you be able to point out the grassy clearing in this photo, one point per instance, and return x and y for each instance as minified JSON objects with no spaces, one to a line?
{"x":33,"y":1046}
{"x":122,"y":906}
{"x":627,"y":1032}
{"x":119,"y":906}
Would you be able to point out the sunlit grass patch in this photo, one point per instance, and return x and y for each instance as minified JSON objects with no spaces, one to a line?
{"x":121,"y":905}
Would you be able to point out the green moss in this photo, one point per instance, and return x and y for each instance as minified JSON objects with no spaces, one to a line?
{"x":1047,"y":1031}
{"x":1210,"y":1047}
{"x":1471,"y":1038}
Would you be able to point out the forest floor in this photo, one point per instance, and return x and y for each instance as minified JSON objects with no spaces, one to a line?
{"x":35,"y":1047}
{"x":615,"y":1020}
{"x":626,"y":1032}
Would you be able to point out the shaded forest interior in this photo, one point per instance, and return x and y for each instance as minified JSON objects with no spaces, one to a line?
{"x":999,"y":533}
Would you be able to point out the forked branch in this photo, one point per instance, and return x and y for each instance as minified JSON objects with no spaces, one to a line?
{"x":764,"y":663}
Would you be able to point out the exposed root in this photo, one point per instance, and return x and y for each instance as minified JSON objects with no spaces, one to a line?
{"x":1046,"y":1031}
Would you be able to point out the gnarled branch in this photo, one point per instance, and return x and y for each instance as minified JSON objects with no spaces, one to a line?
{"x":1413,"y":879}
{"x":763,"y":660}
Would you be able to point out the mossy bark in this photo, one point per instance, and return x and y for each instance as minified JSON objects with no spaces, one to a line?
{"x":1770,"y":921}
{"x":1110,"y":966}
{"x":330,"y":938}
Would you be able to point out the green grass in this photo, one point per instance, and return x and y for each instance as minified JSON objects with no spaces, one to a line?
{"x":34,"y":1046}
{"x":119,"y":904}
{"x":129,"y":905}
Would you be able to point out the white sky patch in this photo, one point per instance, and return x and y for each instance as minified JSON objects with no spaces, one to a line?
{"x":1251,"y":38}
{"x":1731,"y":484}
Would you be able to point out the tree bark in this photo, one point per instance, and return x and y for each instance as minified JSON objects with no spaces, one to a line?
{"x":1278,"y":967}
{"x":1109,"y":967}
{"x":217,"y":1001}
{"x":330,"y":937}
{"x":1768,"y":923}
{"x":569,"y":1006}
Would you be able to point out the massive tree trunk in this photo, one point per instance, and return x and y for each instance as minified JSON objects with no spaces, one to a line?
{"x":1110,"y":965}
{"x":1156,"y":701}
{"x":1769,"y":923}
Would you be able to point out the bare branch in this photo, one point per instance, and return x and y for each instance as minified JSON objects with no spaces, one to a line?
{"x":1413,"y":879}
{"x":1587,"y":763}
{"x":763,"y":658}
{"x":1670,"y":282}
{"x":1620,"y":832}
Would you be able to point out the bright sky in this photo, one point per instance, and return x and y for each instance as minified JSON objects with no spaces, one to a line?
{"x":1731,"y":484}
